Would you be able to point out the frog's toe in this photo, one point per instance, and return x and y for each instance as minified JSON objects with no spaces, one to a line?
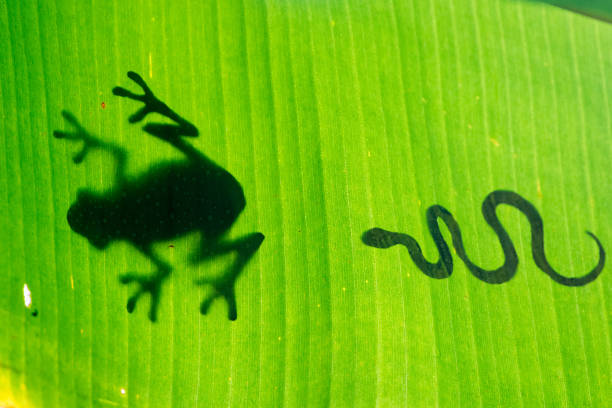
{"x":138,"y":79}
{"x":232,"y":314}
{"x":59,"y":134}
{"x":206,"y":303}
{"x":153,"y":311}
{"x":154,"y":292}
{"x":127,"y":278}
{"x":131,"y":304}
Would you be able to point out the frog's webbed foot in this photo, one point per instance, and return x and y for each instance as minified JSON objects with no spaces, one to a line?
{"x":146,"y":284}
{"x":151,"y":103}
{"x":79,"y":133}
{"x":225,"y":291}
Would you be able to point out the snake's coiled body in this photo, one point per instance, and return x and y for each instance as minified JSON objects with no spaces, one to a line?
{"x":380,"y":238}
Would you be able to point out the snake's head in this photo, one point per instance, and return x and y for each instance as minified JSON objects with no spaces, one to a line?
{"x":378,"y":238}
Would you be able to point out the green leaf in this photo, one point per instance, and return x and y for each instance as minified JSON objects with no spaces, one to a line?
{"x":335,"y":118}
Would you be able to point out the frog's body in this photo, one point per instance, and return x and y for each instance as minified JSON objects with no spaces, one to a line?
{"x":168,"y":201}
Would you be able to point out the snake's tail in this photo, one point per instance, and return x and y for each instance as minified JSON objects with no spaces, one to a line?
{"x":542,"y":263}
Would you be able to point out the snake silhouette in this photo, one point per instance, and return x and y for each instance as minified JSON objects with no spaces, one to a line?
{"x":380,"y":238}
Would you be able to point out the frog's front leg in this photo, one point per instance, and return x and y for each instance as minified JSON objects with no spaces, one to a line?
{"x":171,"y":133}
{"x":92,"y":142}
{"x":147,"y":283}
{"x":152,"y":104}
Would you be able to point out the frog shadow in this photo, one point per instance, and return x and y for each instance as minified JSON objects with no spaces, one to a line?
{"x":169,"y":200}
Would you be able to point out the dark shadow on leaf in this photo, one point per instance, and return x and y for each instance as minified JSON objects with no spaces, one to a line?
{"x":167,"y":201}
{"x":380,"y":238}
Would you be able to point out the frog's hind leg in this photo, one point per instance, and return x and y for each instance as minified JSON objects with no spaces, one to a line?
{"x":226,"y":292}
{"x":147,"y":283}
{"x":224,"y":286}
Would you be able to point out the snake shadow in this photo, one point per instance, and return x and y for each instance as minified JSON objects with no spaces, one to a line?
{"x":380,"y":238}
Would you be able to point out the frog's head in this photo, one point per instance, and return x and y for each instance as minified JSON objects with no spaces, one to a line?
{"x":87,"y":215}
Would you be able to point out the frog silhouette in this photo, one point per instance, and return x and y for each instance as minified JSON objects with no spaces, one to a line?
{"x":170,"y":200}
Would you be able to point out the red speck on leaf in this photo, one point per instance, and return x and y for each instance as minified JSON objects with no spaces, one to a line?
{"x":103,"y":105}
